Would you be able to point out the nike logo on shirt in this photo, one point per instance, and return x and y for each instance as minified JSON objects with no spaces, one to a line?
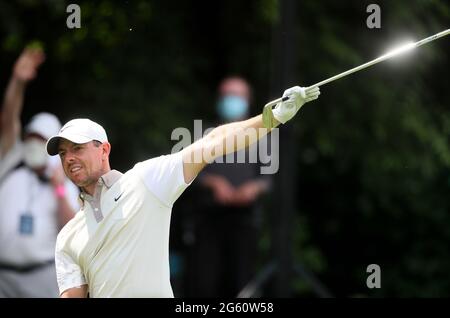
{"x":117,"y":198}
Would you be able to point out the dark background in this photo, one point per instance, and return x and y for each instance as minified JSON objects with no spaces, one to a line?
{"x":371,"y":167}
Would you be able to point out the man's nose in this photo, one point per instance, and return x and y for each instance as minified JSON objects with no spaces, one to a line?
{"x":69,"y":157}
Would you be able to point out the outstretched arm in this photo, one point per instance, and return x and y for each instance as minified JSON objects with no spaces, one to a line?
{"x":221,"y":141}
{"x":24,"y":70}
{"x":233,"y":137}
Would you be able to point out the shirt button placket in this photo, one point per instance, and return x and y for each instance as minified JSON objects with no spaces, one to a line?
{"x":96,"y":203}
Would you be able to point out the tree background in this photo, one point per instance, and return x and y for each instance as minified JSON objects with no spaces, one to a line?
{"x":373,"y":152}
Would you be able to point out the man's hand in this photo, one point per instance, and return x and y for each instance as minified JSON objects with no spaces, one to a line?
{"x":57,"y":176}
{"x":76,"y":292}
{"x":247,"y":193}
{"x":227,"y":195}
{"x":28,"y":63}
{"x":222,"y":190}
{"x":65,"y":210}
{"x":298,"y":96}
{"x":24,"y":70}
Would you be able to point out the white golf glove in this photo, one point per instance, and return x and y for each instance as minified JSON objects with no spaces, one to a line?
{"x":298,"y":96}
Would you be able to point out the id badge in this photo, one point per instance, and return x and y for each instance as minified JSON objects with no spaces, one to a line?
{"x":26,"y":224}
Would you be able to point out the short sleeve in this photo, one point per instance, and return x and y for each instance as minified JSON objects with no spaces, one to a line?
{"x":68,"y":272}
{"x":164,"y":177}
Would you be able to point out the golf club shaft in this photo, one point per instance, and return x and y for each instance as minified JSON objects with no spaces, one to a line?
{"x":370,"y":63}
{"x":382,"y":58}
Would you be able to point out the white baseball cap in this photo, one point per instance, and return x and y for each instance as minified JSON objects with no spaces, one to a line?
{"x":79,"y":131}
{"x":43,"y":124}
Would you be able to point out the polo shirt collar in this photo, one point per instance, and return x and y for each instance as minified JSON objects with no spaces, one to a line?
{"x":111,"y":177}
{"x":108,"y":180}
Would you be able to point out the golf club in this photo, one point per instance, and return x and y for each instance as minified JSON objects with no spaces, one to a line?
{"x":267,"y":112}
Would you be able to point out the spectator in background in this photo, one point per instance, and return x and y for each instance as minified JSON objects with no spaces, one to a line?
{"x":224,"y":251}
{"x":36,"y":197}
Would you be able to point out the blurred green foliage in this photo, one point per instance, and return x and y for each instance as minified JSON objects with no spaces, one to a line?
{"x":374,"y":166}
{"x":374,"y":153}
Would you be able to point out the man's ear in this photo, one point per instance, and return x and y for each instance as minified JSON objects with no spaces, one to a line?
{"x":106,"y":148}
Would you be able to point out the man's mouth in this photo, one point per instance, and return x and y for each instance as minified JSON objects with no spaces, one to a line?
{"x":74,"y":169}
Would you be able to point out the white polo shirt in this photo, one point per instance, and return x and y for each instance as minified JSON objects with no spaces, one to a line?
{"x":23,"y":194}
{"x":119,"y":243}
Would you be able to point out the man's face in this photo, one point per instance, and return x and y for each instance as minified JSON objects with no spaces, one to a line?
{"x":35,"y":154}
{"x":235,"y":87}
{"x":82,"y":163}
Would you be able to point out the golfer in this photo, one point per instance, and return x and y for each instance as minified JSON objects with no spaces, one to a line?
{"x":118,"y":245}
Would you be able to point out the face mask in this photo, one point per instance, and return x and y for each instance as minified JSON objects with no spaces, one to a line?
{"x":232,"y":107}
{"x":35,"y":154}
